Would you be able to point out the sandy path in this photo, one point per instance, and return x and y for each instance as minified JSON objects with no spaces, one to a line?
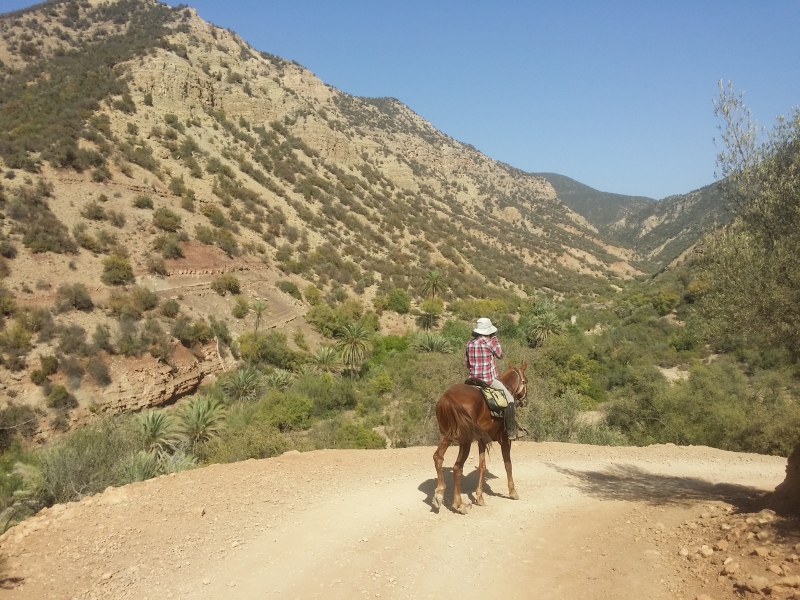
{"x":591,"y":523}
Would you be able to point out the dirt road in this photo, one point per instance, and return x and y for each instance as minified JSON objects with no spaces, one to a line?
{"x":592,"y":522}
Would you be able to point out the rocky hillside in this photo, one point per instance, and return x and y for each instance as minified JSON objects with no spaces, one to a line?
{"x":658,"y":231}
{"x":159,"y":174}
{"x":663,"y":230}
{"x":601,"y":209}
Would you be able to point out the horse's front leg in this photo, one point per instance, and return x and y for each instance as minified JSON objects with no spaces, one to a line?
{"x":458,"y":468}
{"x":438,"y":460}
{"x":481,"y":470}
{"x":505,"y":447}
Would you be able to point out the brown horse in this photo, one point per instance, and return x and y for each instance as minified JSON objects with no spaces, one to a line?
{"x":464,"y":418}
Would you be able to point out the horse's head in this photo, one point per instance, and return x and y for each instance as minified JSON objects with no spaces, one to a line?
{"x":519,"y":383}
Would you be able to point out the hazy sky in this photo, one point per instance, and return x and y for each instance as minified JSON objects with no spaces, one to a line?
{"x":614,"y":94}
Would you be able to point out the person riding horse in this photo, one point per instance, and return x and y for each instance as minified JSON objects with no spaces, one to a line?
{"x":480,"y":354}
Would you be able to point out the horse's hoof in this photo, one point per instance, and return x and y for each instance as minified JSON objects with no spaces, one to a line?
{"x":514,"y":495}
{"x":480,"y":501}
{"x":438,"y":500}
{"x":464,"y":508}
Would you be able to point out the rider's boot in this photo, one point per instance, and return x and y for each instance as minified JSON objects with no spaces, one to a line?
{"x":511,"y":421}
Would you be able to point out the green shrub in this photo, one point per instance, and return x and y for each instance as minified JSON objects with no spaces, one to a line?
{"x":289,"y":288}
{"x":226,"y":283}
{"x":143,"y":201}
{"x":99,"y":371}
{"x":165,"y":219}
{"x":49,"y":364}
{"x":241,"y":308}
{"x":249,"y":434}
{"x":286,"y":413}
{"x":344,"y":433}
{"x":38,"y":376}
{"x":169,"y":245}
{"x":87,"y":460}
{"x":190,"y":333}
{"x":16,"y":420}
{"x":75,"y":296}
{"x":59,"y":397}
{"x":399,"y":301}
{"x":170,"y":308}
{"x":156,"y":266}
{"x":271,"y":349}
{"x":313,"y":295}
{"x":117,"y":270}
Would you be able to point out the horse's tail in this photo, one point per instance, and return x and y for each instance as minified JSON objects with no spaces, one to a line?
{"x":456,"y":424}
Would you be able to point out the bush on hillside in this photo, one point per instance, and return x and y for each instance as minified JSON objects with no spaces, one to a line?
{"x":226,"y":283}
{"x":117,"y":270}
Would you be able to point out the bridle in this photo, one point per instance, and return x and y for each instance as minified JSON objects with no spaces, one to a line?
{"x":521,"y":390}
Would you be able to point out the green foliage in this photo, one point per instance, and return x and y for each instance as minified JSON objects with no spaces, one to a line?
{"x":541,"y":327}
{"x":170,"y":308}
{"x":241,"y":307}
{"x":99,"y":371}
{"x":165,"y":219}
{"x":287,"y":413}
{"x":399,"y":301}
{"x":751,"y":267}
{"x":354,"y":345}
{"x":87,"y":460}
{"x":73,"y":297}
{"x":190,"y":333}
{"x":344,"y":433}
{"x":132,"y":304}
{"x":289,"y":288}
{"x":143,"y":201}
{"x":42,"y":230}
{"x":243,"y":385}
{"x":432,"y":341}
{"x":226,"y":283}
{"x":312,"y":295}
{"x":249,"y":433}
{"x":271,"y":349}
{"x":16,"y":421}
{"x":557,"y":418}
{"x":59,"y":397}
{"x":50,"y":100}
{"x":201,"y":419}
{"x":158,"y":430}
{"x":117,"y":270}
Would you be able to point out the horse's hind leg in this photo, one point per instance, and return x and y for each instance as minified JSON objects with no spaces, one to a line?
{"x":458,"y":468}
{"x":481,"y":470}
{"x":505,"y":447}
{"x":438,"y":460}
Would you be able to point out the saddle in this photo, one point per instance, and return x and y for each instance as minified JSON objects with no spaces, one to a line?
{"x":495,"y":399}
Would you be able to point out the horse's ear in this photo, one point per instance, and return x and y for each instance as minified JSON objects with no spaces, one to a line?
{"x":524,"y":365}
{"x":510,"y":364}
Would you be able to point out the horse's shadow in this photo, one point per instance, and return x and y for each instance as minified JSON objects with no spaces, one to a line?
{"x":469,"y":483}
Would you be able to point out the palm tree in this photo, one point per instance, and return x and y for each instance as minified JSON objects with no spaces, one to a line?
{"x":201,"y":420}
{"x":158,"y":429}
{"x":354,"y":345}
{"x":242,"y":386}
{"x":279,"y":378}
{"x":258,"y":308}
{"x":434,"y":283}
{"x":543,"y":326}
{"x":326,"y":360}
{"x":432,"y":341}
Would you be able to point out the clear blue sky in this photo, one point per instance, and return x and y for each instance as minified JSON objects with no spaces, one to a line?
{"x":614,"y":94}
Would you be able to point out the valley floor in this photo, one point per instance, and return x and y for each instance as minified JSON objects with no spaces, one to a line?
{"x":592,"y":522}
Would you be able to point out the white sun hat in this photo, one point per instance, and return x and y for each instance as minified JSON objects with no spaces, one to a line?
{"x":484,"y":327}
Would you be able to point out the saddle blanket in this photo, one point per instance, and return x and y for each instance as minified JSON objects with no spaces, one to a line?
{"x":495,"y":399}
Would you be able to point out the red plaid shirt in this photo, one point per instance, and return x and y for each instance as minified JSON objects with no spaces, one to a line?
{"x":480,"y":358}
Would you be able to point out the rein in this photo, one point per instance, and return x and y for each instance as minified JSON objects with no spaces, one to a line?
{"x":520,"y":383}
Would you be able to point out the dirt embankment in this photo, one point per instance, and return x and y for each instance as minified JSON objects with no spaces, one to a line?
{"x":658,"y":522}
